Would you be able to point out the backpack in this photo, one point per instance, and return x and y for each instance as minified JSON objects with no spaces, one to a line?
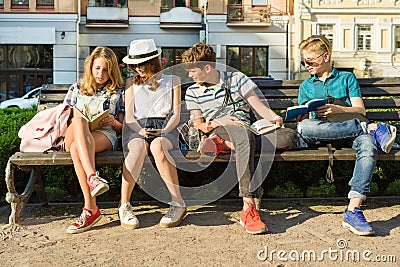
{"x":46,"y":130}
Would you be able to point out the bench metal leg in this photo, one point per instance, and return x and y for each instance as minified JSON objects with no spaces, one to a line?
{"x":18,"y":201}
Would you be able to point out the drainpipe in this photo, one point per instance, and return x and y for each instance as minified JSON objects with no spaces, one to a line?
{"x":300,"y":35}
{"x":78,"y":21}
{"x":289,"y":42}
{"x":205,"y":18}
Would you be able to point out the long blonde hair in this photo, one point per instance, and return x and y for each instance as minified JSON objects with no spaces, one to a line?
{"x":88,"y":85}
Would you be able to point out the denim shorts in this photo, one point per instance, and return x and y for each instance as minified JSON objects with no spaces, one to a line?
{"x":156,"y":123}
{"x":111,"y":135}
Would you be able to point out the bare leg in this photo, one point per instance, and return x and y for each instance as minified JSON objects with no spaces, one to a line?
{"x":354,"y":203}
{"x":132,"y":167}
{"x":166,"y":166}
{"x":90,"y":202}
{"x":82,"y":145}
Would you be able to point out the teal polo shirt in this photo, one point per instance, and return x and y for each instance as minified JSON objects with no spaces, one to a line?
{"x":340,"y":84}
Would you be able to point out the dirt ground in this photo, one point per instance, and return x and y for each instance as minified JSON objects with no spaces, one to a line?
{"x":302,"y":232}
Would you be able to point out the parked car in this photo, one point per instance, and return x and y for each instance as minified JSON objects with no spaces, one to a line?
{"x":28,"y":100}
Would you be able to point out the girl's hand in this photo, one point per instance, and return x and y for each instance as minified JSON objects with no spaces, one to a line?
{"x":108,"y":121}
{"x":151,"y":132}
{"x":143,"y":132}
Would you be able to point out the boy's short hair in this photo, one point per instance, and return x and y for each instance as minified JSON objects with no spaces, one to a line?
{"x":198,"y":56}
{"x":316,"y":43}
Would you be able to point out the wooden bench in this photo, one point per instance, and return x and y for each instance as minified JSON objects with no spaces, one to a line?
{"x":379,"y":94}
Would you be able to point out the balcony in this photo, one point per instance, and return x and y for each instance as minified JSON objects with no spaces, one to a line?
{"x":248,"y":15}
{"x":98,"y":16}
{"x":180,"y":17}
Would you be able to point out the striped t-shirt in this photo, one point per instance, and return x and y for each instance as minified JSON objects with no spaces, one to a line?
{"x":210,"y":99}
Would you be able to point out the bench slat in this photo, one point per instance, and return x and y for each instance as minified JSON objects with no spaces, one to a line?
{"x":369,"y":103}
{"x":117,"y":157}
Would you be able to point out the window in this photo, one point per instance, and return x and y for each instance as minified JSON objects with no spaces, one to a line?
{"x":366,"y":2}
{"x":168,"y":4}
{"x":364,"y":34}
{"x":328,"y":2}
{"x":24,"y":67}
{"x":108,"y":3}
{"x":252,"y":61}
{"x":45,"y":2}
{"x":397,"y":38}
{"x":327,"y":31}
{"x":171,"y":56}
{"x":1,"y":2}
{"x":20,"y":3}
{"x":259,"y":2}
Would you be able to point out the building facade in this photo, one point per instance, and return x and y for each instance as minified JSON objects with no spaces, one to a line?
{"x":365,"y":34}
{"x":47,"y":41}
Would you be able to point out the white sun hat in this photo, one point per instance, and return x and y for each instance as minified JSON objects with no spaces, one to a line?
{"x":141,"y":50}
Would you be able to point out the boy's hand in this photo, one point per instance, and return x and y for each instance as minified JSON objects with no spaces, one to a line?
{"x":299,"y":118}
{"x":328,"y":110}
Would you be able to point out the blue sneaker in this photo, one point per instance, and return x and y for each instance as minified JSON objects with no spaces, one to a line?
{"x":384,"y":136}
{"x":356,"y":222}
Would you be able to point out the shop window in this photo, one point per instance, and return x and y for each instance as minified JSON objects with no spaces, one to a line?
{"x":252,"y":61}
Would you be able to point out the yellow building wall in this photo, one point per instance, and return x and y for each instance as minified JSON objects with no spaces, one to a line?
{"x":60,"y":6}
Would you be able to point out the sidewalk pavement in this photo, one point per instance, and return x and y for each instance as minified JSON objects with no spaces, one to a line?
{"x":302,"y":232}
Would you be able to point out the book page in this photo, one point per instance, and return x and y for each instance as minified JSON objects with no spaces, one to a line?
{"x":261,"y":126}
{"x":264,"y":126}
{"x":79,"y":113}
{"x":94,"y":122}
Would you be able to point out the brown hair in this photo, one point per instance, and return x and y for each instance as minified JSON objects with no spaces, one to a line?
{"x":316,"y":43}
{"x":150,"y":68}
{"x":88,"y":85}
{"x":198,"y":56}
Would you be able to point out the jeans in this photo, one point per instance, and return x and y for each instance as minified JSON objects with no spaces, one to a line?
{"x":315,"y":132}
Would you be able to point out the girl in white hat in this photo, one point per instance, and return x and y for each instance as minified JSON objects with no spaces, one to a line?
{"x":152,"y":111}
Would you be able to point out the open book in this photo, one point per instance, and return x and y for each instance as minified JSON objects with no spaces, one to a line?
{"x":261,"y":126}
{"x":312,"y":105}
{"x":93,"y":119}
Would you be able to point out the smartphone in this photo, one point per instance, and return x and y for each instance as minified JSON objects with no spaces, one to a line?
{"x":151,"y":130}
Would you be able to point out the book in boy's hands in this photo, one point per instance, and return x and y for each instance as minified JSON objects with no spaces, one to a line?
{"x":312,"y":105}
{"x":93,"y":119}
{"x":261,"y":126}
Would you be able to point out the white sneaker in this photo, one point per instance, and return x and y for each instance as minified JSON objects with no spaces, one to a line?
{"x":176,"y":213}
{"x":127,"y":218}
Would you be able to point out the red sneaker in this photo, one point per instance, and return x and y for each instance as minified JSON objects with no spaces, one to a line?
{"x":97,"y":185}
{"x":86,"y":221}
{"x":215,"y":145}
{"x":250,"y":220}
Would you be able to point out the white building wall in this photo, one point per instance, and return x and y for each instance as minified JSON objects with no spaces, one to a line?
{"x":274,"y":36}
{"x":45,"y":29}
